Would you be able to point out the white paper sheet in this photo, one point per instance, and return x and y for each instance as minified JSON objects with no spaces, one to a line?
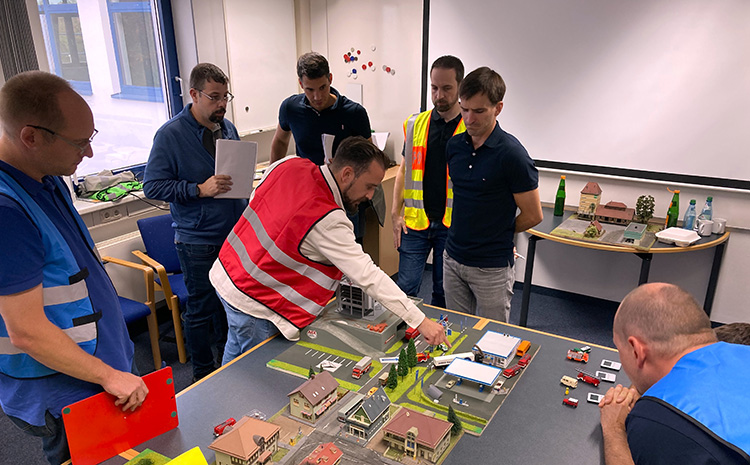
{"x":380,"y":139}
{"x":237,"y":159}
{"x":328,"y":147}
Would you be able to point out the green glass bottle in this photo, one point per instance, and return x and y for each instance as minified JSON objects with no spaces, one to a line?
{"x":560,"y":197}
{"x":674,"y":209}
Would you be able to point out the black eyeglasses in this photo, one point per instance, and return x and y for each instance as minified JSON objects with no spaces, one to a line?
{"x":227,"y":98}
{"x":81,"y":147}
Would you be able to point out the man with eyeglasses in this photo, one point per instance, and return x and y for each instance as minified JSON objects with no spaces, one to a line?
{"x":62,"y":334}
{"x":180,"y":171}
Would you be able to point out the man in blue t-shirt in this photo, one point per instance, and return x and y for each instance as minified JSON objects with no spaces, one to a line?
{"x":319,"y":109}
{"x":493,"y":177}
{"x":180,"y":170}
{"x":688,"y":403}
{"x":62,"y":334}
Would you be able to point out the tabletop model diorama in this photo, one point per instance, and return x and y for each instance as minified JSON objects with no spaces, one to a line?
{"x":375,"y":392}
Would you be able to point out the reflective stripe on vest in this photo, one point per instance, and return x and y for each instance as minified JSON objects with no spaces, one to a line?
{"x":416,"y":130}
{"x":261,"y":255}
{"x":65,"y":295}
{"x":709,"y":386}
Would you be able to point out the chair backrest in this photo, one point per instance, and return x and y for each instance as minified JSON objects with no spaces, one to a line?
{"x":158,"y":237}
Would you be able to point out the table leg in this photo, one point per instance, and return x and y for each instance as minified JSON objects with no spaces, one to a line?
{"x":530,"y":252}
{"x":645,"y":267}
{"x":713,"y":278}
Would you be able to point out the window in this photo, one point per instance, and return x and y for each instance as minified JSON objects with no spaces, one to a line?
{"x":135,"y":50}
{"x":62,"y":33}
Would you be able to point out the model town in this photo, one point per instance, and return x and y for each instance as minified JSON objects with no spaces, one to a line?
{"x":375,"y":392}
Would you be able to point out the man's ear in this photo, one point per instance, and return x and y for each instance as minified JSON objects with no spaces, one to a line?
{"x":31,"y":137}
{"x":194,"y":94}
{"x":498,"y":108}
{"x":347,"y":174}
{"x":330,"y":78}
{"x":640,"y":349}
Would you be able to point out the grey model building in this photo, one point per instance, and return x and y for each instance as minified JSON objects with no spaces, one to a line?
{"x":368,"y":417}
{"x":313,"y":398}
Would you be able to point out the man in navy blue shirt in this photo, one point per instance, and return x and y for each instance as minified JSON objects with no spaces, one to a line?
{"x":688,"y":403}
{"x":62,"y":334}
{"x":319,"y":109}
{"x":180,"y":171}
{"x":493,"y":177}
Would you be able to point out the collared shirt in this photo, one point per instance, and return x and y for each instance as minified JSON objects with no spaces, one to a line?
{"x":21,"y":270}
{"x":330,"y":241}
{"x":484,"y":209}
{"x":435,"y":164}
{"x":343,"y":119}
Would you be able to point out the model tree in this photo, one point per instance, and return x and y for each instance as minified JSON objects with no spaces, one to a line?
{"x":411,"y":354}
{"x":453,"y":418}
{"x":403,"y":366}
{"x":392,"y":378}
{"x":644,"y":209}
{"x":311,"y":373}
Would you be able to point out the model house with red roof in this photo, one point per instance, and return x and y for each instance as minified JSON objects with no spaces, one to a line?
{"x":249,"y":442}
{"x":418,"y":435}
{"x":313,"y":398}
{"x":324,"y":454}
{"x":615,"y":212}
{"x":591,"y":194}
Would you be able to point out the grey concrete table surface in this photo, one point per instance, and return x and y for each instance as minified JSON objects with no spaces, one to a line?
{"x":531,"y":427}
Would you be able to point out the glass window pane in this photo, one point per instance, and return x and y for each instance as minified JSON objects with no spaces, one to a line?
{"x":61,"y":2}
{"x":70,"y":50}
{"x":137,"y":51}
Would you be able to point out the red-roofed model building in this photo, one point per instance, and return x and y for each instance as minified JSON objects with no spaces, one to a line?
{"x":311,"y":400}
{"x":590,"y":196}
{"x":615,"y":212}
{"x":324,"y":454}
{"x":249,"y":442}
{"x":418,"y":435}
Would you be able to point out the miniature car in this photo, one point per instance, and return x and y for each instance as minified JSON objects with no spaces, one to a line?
{"x":372,"y":391}
{"x":576,"y":356}
{"x":411,"y":333}
{"x":582,"y":349}
{"x":422,"y":357}
{"x":524,"y":360}
{"x":512,"y":371}
{"x":570,"y":402}
{"x":587,"y":378}
{"x":219,"y":429}
{"x":450,"y":384}
{"x":522,"y":348}
{"x":569,"y":381}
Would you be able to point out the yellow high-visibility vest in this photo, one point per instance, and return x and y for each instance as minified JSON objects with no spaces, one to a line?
{"x":416,"y":129}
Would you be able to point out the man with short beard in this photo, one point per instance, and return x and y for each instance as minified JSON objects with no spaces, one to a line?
{"x":282,"y":262}
{"x":180,"y":171}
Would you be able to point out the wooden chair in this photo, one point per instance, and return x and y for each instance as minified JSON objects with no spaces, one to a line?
{"x":134,"y":310}
{"x":161,"y":255}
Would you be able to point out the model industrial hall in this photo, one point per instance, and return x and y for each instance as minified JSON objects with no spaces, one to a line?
{"x":401,"y":231}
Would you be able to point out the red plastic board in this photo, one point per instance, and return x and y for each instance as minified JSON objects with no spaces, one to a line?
{"x":97,"y":429}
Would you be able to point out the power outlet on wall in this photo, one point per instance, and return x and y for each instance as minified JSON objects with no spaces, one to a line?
{"x":110,"y":214}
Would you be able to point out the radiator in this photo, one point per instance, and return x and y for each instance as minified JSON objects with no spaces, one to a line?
{"x":128,"y":282}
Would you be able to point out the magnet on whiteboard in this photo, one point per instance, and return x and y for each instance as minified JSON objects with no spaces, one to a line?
{"x":352,"y":49}
{"x":393,"y":72}
{"x":385,"y":68}
{"x":359,"y":52}
{"x":364,"y":67}
{"x":354,"y":70}
{"x":349,"y":74}
{"x":372,"y":47}
{"x":355,"y":76}
{"x":369,"y":63}
{"x":373,"y":68}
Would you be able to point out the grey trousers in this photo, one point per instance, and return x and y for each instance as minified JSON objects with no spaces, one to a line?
{"x":484,"y":292}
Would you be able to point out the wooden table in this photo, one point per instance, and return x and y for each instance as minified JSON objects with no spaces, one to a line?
{"x":550,"y":222}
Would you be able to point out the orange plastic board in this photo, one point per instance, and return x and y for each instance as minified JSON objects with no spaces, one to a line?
{"x":97,"y":429}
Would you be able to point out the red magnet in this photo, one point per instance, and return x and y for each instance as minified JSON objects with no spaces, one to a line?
{"x":364,"y":66}
{"x":358,"y":52}
{"x":387,"y":69}
{"x":369,"y":63}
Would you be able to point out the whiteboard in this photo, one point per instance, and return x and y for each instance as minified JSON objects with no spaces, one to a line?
{"x":262,"y":55}
{"x":653,"y":85}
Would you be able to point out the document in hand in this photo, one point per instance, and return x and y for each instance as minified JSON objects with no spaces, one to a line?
{"x":237,"y":159}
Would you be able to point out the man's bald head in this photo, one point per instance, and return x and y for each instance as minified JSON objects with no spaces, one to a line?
{"x":665,"y":317}
{"x":32,"y":98}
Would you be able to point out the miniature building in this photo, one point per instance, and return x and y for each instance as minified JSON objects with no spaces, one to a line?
{"x":418,"y":435}
{"x":590,"y":196}
{"x":615,"y":212}
{"x":369,"y":416}
{"x":594,"y":229}
{"x":324,"y":454}
{"x":353,"y":301}
{"x":249,"y":442}
{"x":634,"y":232}
{"x":499,"y":349}
{"x":313,"y":397}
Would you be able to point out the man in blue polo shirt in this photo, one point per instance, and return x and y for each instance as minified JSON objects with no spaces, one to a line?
{"x":688,"y":403}
{"x":493,"y":177}
{"x":62,"y":334}
{"x":180,"y":171}
{"x":319,"y":109}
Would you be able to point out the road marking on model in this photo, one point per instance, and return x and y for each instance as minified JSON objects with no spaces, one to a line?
{"x":308,"y":351}
{"x":322,"y":354}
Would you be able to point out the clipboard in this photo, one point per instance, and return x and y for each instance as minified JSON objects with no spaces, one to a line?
{"x":97,"y":429}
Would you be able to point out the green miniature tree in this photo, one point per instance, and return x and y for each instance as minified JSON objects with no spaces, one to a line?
{"x":403,"y":364}
{"x":644,"y":209}
{"x":453,"y":418}
{"x":392,"y":382}
{"x":411,"y":354}
{"x":591,"y":231}
{"x":311,"y":373}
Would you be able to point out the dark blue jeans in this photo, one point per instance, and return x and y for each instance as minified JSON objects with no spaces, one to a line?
{"x":54,"y":441}
{"x":413,"y":253}
{"x":204,"y":317}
